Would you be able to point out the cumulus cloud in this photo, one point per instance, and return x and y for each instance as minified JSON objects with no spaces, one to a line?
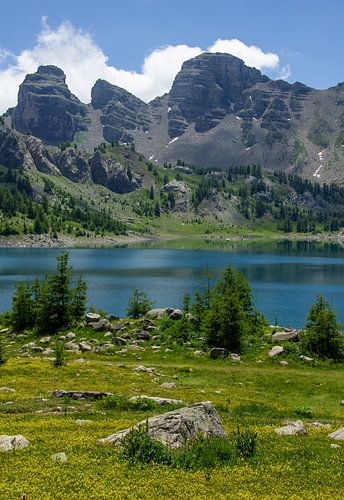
{"x":76,"y":52}
{"x":285,"y":72}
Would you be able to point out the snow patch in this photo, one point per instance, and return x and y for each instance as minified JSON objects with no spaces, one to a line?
{"x":238,"y":117}
{"x":172,"y":141}
{"x":168,"y":109}
{"x":151,"y":158}
{"x":247,"y":149}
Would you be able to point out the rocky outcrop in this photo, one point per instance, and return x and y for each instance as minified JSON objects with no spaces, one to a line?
{"x":58,"y":393}
{"x":113,"y":174}
{"x":176,"y":427}
{"x":179,"y":192}
{"x":291,"y":429}
{"x":73,"y":165}
{"x":10,"y":443}
{"x":24,"y":151}
{"x":122,"y":112}
{"x":46,"y":107}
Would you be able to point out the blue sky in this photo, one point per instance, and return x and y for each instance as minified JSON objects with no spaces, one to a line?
{"x":307,"y":36}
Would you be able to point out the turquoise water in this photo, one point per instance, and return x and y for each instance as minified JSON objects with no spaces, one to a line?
{"x":285,"y":277}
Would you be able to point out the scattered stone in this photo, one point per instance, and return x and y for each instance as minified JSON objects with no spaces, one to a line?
{"x":59,"y":457}
{"x":155,"y":347}
{"x":30,"y":345}
{"x":48,"y":352}
{"x":306,"y":358}
{"x":107,"y":334}
{"x":318,"y":425}
{"x":156,"y":313}
{"x":292,"y":335}
{"x":342,"y":402}
{"x":235,"y":357}
{"x":291,"y":429}
{"x":176,"y":427}
{"x":92,"y":317}
{"x":117,"y":327}
{"x":142,"y":335}
{"x":45,"y":340}
{"x":80,"y":394}
{"x":84,"y":347}
{"x":119,"y":340}
{"x":158,"y":400}
{"x":71,"y":335}
{"x":275,"y":351}
{"x":72,"y":345}
{"x":218,"y":353}
{"x":9,"y":443}
{"x":122,"y":351}
{"x":337,"y":435}
{"x":135,"y":347}
{"x":198,"y":353}
{"x":83,"y":422}
{"x":7,"y":389}
{"x":141,"y":368}
{"x":176,"y":314}
{"x":190,"y":317}
{"x":334,"y":446}
{"x":284,"y":363}
{"x":168,"y":385}
{"x":4,"y":330}
{"x":105,"y":347}
{"x":101,"y":325}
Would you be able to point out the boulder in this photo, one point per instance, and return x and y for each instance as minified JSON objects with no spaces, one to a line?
{"x":9,"y":443}
{"x":59,"y":457}
{"x":218,"y":353}
{"x":168,"y":385}
{"x":84,"y":347}
{"x":284,"y":363}
{"x":176,"y":314}
{"x":176,"y":427}
{"x":45,"y":340}
{"x":286,"y":335}
{"x":83,"y":422}
{"x":158,"y":400}
{"x":337,"y":435}
{"x":291,"y":429}
{"x":306,"y":358}
{"x":119,"y":340}
{"x":71,"y":336}
{"x":92,"y":317}
{"x":101,"y":325}
{"x":142,"y":335}
{"x":275,"y":351}
{"x":59,"y":393}
{"x":235,"y":357}
{"x":334,"y":446}
{"x":156,"y":313}
{"x":7,"y":389}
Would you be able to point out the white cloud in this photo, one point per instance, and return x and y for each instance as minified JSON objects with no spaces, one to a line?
{"x":250,"y":54}
{"x":285,"y":72}
{"x":84,"y":62}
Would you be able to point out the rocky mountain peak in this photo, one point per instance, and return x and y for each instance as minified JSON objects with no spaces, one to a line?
{"x":47,"y":108}
{"x":207,"y":88}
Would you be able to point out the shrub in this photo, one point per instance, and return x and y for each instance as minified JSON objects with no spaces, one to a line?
{"x":138,"y":304}
{"x":59,"y":354}
{"x":304,"y":412}
{"x":114,"y":402}
{"x":323,"y":337}
{"x":204,"y":453}
{"x":139,"y":446}
{"x":246,"y":443}
{"x":3,"y":357}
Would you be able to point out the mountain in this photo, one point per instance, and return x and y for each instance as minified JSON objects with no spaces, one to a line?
{"x":219,"y":112}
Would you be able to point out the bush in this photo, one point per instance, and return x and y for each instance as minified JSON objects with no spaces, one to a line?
{"x":59,"y":354}
{"x":204,"y":453}
{"x":138,"y":304}
{"x":138,"y":446}
{"x":323,"y":337}
{"x":246,"y":443}
{"x":3,"y":357}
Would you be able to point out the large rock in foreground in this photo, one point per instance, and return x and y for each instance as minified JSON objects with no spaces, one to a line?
{"x":338,"y":434}
{"x":174,"y":428}
{"x":9,"y":443}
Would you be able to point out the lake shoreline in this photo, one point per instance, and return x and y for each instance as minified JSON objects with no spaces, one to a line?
{"x":66,"y":241}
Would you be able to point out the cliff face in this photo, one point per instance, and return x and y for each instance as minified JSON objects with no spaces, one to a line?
{"x":121,"y":112}
{"x":219,"y":112}
{"x":47,"y":108}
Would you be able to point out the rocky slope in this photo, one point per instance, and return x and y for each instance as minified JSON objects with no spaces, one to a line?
{"x":218,"y":112}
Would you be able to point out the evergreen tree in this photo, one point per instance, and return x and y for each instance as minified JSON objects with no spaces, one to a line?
{"x":138,"y":304}
{"x":22,"y":308}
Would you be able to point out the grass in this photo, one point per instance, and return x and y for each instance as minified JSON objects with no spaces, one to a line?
{"x":257,"y":397}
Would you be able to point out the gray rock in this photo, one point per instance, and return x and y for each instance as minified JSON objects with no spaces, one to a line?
{"x":71,"y":336}
{"x":92,"y":317}
{"x":158,"y":400}
{"x":306,"y":358}
{"x":176,"y":314}
{"x":59,"y":393}
{"x":291,"y":429}
{"x":284,"y":363}
{"x":156,"y":313}
{"x":135,"y":347}
{"x":218,"y":353}
{"x":7,"y":389}
{"x":9,"y":443}
{"x":143,"y":369}
{"x":337,"y":435}
{"x":83,"y":422}
{"x":84,"y":347}
{"x":342,"y":402}
{"x":181,"y":194}
{"x":286,"y":335}
{"x":59,"y":457}
{"x":101,"y":325}
{"x":176,"y":427}
{"x":119,"y":340}
{"x":235,"y":357}
{"x":168,"y":385}
{"x":334,"y":446}
{"x":275,"y":351}
{"x":45,"y":340}
{"x":142,"y":335}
